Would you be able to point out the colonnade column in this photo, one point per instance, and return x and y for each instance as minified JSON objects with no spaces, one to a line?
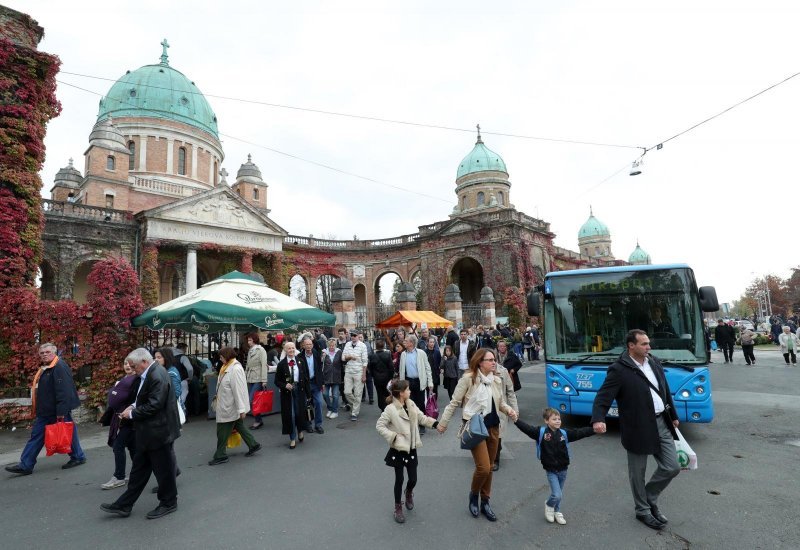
{"x":191,"y":269}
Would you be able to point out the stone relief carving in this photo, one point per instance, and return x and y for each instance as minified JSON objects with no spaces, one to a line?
{"x":222,"y":210}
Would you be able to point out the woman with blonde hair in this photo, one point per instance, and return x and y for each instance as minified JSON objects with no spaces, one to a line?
{"x":232,"y":404}
{"x":480,"y":391}
{"x":257,"y":372}
{"x":399,"y":425}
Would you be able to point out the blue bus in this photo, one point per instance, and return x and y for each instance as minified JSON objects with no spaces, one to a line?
{"x":588,"y":312}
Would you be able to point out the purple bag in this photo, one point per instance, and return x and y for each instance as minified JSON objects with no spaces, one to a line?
{"x":431,"y":405}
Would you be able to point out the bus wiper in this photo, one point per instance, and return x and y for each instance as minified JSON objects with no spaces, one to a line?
{"x":582,"y":359}
{"x":678,"y":365}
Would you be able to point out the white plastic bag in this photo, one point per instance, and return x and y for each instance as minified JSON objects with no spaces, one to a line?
{"x":686,"y":456}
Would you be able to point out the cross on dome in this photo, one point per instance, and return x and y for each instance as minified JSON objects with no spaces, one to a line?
{"x":164,"y":56}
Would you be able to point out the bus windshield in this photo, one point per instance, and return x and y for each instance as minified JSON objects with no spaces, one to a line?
{"x":588,"y":315}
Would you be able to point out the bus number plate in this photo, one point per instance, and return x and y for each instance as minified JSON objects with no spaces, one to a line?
{"x":613,"y":411}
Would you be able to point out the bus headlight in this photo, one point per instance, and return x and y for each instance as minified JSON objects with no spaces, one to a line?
{"x":555,"y":383}
{"x":685,"y":394}
{"x":695,"y":416}
{"x":700,"y":389}
{"x":567,"y":389}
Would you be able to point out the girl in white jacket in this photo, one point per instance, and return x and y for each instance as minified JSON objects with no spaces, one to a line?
{"x":399,"y":425}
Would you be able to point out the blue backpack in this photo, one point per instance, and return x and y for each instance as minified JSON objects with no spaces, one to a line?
{"x":541,"y":436}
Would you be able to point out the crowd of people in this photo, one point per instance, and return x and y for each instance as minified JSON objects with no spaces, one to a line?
{"x":480,"y":373}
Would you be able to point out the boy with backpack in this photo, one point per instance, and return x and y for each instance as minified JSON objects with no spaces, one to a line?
{"x":552,"y":448}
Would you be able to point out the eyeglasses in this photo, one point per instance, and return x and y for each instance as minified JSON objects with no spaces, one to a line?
{"x":492,"y":360}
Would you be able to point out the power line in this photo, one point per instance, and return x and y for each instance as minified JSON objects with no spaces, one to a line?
{"x":302,"y":159}
{"x":375,"y":118}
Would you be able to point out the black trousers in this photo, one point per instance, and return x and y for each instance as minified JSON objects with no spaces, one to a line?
{"x":450,"y":385}
{"x":727,"y":350}
{"x":785,"y":356}
{"x":749,"y":356}
{"x":398,"y":479}
{"x":160,"y":462}
{"x":383,"y":393}
{"x":417,"y":393}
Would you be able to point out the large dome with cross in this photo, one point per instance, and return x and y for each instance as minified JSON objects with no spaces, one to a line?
{"x":159,"y":91}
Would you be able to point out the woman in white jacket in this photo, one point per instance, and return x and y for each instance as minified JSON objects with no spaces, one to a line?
{"x":789,"y":345}
{"x":231,"y":405}
{"x":399,"y":425}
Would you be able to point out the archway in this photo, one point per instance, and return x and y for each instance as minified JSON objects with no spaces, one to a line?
{"x":467,"y":273}
{"x":80,"y":282}
{"x":325,"y":291}
{"x":416,"y":280}
{"x":360,"y":293}
{"x":386,"y":288}
{"x":46,"y":281}
{"x":298,"y":288}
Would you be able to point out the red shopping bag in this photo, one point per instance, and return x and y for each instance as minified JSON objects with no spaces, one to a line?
{"x":262,"y":402}
{"x":431,"y":406}
{"x":58,"y":438}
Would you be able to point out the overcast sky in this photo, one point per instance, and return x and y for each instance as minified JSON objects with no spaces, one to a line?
{"x":723,"y":198}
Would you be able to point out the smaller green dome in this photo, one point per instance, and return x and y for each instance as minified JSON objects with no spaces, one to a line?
{"x":593,"y":228}
{"x":481,"y":159}
{"x":639,"y":256}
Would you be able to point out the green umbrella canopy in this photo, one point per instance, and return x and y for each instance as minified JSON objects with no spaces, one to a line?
{"x":235,"y":301}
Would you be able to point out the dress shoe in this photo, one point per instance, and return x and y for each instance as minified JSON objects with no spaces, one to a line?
{"x":486,"y":510}
{"x":72,"y":463}
{"x":17,"y":469}
{"x":254,"y":450}
{"x":319,"y":430}
{"x":301,"y":437}
{"x":215,"y":461}
{"x":116,"y":509}
{"x":658,"y":515}
{"x":651,"y":522}
{"x":257,"y":426}
{"x":161,"y":511}
{"x":293,"y":445}
{"x":473,"y":505}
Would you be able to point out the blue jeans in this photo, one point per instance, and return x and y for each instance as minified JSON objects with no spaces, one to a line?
{"x":557,"y":480}
{"x":316,"y":395}
{"x":254,"y":387}
{"x":331,"y":397}
{"x":28,"y":459}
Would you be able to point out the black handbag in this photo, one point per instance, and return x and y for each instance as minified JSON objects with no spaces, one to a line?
{"x":105,"y":420}
{"x":310,"y":410}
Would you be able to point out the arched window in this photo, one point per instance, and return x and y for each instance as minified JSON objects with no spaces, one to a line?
{"x":239,"y":191}
{"x":110,"y":163}
{"x":500,"y":198}
{"x":255,"y":193}
{"x":132,"y":149}
{"x":463,"y":203}
{"x":182,"y":161}
{"x":481,"y":198}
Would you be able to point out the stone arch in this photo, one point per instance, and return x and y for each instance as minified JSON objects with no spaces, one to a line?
{"x":80,"y":281}
{"x":384,"y":295}
{"x":172,"y":283}
{"x":324,"y":291}
{"x":298,"y":287}
{"x":46,"y":280}
{"x":360,"y":293}
{"x":467,"y":273}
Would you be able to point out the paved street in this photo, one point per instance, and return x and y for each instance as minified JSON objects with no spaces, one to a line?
{"x":335,"y":492}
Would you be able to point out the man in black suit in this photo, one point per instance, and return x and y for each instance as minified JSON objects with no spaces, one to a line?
{"x":311,"y":359}
{"x":647,"y":422}
{"x":157,"y":426}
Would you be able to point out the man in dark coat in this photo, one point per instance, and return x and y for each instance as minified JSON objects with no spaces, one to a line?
{"x":53,"y":398}
{"x":157,"y":425}
{"x":647,"y":422}
{"x":311,"y":360}
{"x":725,"y":336}
{"x":451,"y":338}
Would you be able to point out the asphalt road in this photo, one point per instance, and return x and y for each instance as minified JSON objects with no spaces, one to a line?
{"x":335,"y":492}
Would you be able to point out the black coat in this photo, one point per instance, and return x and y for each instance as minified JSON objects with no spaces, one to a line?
{"x":332,"y":369}
{"x":724,"y":334}
{"x":513,"y":364}
{"x":55,"y":393}
{"x":626,"y":383}
{"x":302,"y":391}
{"x":380,"y":367}
{"x":155,"y":418}
{"x":451,"y":339}
{"x":553,"y":450}
{"x":435,"y":361}
{"x":318,"y":379}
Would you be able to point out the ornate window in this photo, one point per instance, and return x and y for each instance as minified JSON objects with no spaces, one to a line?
{"x":132,"y":159}
{"x":110,"y":162}
{"x":255,"y":193}
{"x":110,"y":201}
{"x":481,"y":198}
{"x":500,"y":198}
{"x":182,"y":161}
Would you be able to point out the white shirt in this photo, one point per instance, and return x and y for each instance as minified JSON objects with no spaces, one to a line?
{"x":463,"y":360}
{"x":658,"y":403}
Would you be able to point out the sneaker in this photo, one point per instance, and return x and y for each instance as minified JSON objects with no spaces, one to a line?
{"x":560,"y":518}
{"x":328,"y":414}
{"x":353,"y":418}
{"x":334,"y":415}
{"x":113,"y":483}
{"x":73,"y":463}
{"x":549,"y":513}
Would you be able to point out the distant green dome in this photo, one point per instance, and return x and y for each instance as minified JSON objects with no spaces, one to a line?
{"x":480,"y":159}
{"x":593,"y":228}
{"x":159,"y":91}
{"x":639,"y":256}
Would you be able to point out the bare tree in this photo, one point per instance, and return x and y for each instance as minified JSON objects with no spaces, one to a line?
{"x":298,"y":289}
{"x":325,"y":291}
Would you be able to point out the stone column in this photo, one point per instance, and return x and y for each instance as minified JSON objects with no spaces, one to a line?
{"x":406,"y":297}
{"x":344,"y":303}
{"x":191,"y":269}
{"x":488,"y":318}
{"x":194,"y":161}
{"x":142,"y":153}
{"x":247,"y":263}
{"x":452,"y":305}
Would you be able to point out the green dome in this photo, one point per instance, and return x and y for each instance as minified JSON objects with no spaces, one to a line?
{"x":159,"y":91}
{"x":480,"y":159}
{"x":593,"y":228}
{"x":639,"y":256}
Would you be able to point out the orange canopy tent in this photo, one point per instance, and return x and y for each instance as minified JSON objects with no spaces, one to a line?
{"x":408,"y":318}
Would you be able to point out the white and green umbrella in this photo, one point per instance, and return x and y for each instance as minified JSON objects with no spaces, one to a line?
{"x":237,"y":302}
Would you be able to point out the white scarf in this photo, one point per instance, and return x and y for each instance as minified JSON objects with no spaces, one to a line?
{"x":481,"y":399}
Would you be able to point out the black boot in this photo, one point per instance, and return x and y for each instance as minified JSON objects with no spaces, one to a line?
{"x":487,"y":510}
{"x":473,"y":505}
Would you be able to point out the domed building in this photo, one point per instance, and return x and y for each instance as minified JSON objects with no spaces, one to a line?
{"x":594,"y":239}
{"x":481,"y":180}
{"x":639,"y":256}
